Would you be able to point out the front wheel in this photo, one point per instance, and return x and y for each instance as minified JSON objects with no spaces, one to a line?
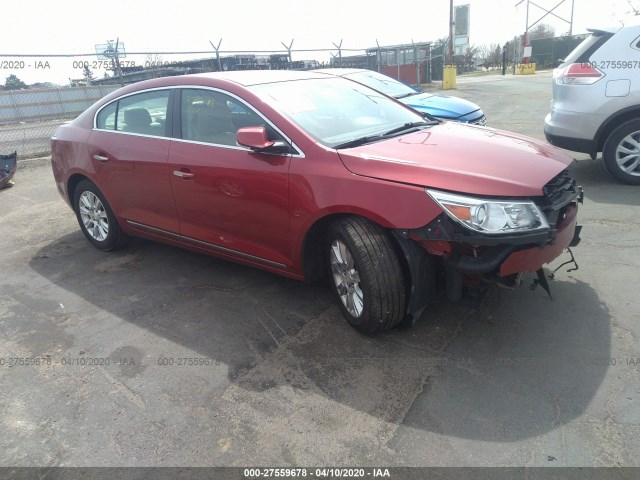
{"x":621,"y":153}
{"x":366,"y":274}
{"x":96,"y":218}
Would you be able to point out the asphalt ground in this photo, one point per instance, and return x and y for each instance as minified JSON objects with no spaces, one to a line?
{"x":156,"y":356}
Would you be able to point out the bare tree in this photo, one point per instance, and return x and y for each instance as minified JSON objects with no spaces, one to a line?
{"x":152,"y":60}
{"x":471,"y":55}
{"x":635,"y":7}
{"x":489,"y":55}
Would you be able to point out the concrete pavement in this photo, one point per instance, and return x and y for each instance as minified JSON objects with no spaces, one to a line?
{"x":158,"y":356}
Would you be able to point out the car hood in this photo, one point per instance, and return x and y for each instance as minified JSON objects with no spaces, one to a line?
{"x":461,"y":158}
{"x":440,"y":105}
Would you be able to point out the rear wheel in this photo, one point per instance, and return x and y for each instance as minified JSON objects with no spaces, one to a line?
{"x":96,"y":218}
{"x":621,"y":153}
{"x":366,"y":275}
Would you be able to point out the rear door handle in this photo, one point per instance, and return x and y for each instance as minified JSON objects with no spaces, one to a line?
{"x":100,"y":158}
{"x":181,"y":174}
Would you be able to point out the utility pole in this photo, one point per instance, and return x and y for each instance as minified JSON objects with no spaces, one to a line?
{"x":289,"y":50}
{"x":217,"y":49}
{"x":526,"y":33}
{"x":339,"y":47}
{"x":450,"y":32}
{"x":571,"y":22}
{"x":115,"y":61}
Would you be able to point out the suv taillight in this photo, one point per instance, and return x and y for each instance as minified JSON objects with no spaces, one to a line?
{"x":578,"y":74}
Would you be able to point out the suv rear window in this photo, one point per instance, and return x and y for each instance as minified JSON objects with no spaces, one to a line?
{"x":589,"y":45}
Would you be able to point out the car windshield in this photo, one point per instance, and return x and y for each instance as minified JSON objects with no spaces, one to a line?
{"x":336,"y":111}
{"x":382,"y":83}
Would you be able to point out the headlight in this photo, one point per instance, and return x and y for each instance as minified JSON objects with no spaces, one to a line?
{"x":491,"y":216}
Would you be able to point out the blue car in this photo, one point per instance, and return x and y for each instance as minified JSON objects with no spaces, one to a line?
{"x":436,"y":105}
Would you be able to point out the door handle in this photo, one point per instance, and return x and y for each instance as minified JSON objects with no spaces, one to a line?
{"x":181,"y":174}
{"x":100,"y":158}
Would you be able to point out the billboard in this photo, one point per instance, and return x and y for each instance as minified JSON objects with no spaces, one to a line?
{"x":106,"y":51}
{"x":461,"y":19}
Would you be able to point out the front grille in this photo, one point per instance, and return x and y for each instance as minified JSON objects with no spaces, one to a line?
{"x":557,"y":194}
{"x":482,"y":121}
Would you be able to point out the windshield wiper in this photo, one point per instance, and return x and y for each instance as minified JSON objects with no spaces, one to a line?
{"x":405,"y":95}
{"x":407,"y":127}
{"x":356,"y":142}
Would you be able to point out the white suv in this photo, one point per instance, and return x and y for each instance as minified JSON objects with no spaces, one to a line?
{"x":596,"y":100}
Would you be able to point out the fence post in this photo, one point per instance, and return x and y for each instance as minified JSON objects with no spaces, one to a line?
{"x":62,"y":110}
{"x":15,"y":106}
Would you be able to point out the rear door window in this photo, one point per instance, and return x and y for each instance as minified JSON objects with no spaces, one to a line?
{"x":144,"y":113}
{"x":107,"y":117}
{"x":588,"y":47}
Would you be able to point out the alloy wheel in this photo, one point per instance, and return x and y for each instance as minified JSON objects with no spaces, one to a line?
{"x":94,"y":216}
{"x":628,"y":154}
{"x":346,"y":278}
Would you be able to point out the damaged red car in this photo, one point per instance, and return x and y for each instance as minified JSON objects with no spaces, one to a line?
{"x":314,"y":177}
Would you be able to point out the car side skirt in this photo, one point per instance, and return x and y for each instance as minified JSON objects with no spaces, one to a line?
{"x":142,"y":230}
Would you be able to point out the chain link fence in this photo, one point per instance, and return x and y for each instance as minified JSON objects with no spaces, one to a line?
{"x":28,"y":118}
{"x":547,"y":51}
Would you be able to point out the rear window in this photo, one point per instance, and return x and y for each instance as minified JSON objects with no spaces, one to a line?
{"x":589,"y":45}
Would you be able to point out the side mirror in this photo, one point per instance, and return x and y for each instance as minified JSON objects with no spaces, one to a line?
{"x":559,"y":62}
{"x":254,"y":137}
{"x":257,"y":140}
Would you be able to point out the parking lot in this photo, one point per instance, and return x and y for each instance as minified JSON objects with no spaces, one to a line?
{"x":156,"y":356}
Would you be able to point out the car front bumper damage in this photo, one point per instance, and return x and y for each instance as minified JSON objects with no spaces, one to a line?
{"x":469,"y":259}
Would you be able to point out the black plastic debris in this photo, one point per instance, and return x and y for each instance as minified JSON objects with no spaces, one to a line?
{"x":8,"y":166}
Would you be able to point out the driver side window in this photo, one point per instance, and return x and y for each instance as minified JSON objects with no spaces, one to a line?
{"x":213,"y":117}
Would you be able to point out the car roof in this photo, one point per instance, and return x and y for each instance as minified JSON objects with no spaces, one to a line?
{"x":339,"y":72}
{"x":245,"y":78}
{"x":256,"y":77}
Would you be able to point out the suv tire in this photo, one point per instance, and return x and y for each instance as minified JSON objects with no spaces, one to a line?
{"x":621,"y":153}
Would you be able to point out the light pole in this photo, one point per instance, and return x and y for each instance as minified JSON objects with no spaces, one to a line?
{"x":450,"y":32}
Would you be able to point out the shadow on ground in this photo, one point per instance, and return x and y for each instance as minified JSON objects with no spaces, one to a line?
{"x":600,"y":186}
{"x":514,"y":368}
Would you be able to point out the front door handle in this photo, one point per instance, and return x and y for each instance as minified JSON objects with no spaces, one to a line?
{"x":181,"y":174}
{"x":100,"y":158}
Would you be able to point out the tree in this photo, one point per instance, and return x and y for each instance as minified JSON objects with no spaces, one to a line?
{"x":542,"y":30}
{"x":489,"y":55}
{"x":14,"y":83}
{"x":471,"y":55}
{"x":152,"y":60}
{"x":87,"y":74}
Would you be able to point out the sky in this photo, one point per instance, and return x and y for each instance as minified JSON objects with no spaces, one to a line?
{"x":74,"y":27}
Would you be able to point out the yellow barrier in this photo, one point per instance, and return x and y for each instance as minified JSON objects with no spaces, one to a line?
{"x":525,"y":68}
{"x":449,"y":77}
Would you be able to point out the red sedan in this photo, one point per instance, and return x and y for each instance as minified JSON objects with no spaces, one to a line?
{"x":311,"y":176}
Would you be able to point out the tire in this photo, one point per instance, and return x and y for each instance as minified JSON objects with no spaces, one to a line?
{"x":96,"y":218}
{"x":366,"y":275}
{"x":621,"y":153}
